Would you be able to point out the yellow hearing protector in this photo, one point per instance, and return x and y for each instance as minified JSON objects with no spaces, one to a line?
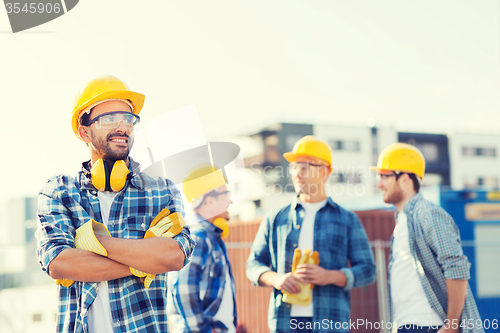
{"x":105,"y":178}
{"x":222,"y":224}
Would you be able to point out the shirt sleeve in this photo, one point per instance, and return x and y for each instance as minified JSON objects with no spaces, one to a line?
{"x":186,"y":308}
{"x":443,"y":237}
{"x":259,"y":260}
{"x":175,"y":204}
{"x":186,"y":243}
{"x":363,"y":270}
{"x":55,"y":231}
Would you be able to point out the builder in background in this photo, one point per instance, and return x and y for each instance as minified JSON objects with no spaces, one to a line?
{"x":312,"y":222}
{"x":428,"y":271}
{"x":201,"y":296}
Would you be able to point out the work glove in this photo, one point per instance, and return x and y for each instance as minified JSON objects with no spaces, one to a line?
{"x":85,"y":239}
{"x":304,"y":297}
{"x":64,"y":282}
{"x":163,"y":225}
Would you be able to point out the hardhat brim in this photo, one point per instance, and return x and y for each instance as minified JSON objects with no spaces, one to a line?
{"x":374,"y":168}
{"x":290,"y":157}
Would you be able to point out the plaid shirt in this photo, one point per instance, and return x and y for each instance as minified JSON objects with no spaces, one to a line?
{"x":339,"y":238}
{"x":435,"y":245}
{"x":64,"y":204}
{"x":196,"y":291}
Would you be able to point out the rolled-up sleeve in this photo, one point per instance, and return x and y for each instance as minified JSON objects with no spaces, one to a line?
{"x":443,"y":237}
{"x":259,"y":260}
{"x":186,"y":243}
{"x":55,"y":231}
{"x":175,"y":204}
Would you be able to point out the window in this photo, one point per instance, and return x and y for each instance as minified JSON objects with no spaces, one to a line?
{"x":486,"y":182}
{"x":290,"y":141}
{"x":430,"y":151}
{"x":479,"y":151}
{"x":345,"y":178}
{"x":347,"y":145}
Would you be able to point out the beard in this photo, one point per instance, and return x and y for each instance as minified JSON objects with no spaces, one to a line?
{"x":307,"y":189}
{"x":395,"y":196}
{"x":103,"y":148}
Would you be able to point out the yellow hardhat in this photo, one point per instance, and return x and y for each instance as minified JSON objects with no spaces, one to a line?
{"x":102,"y":88}
{"x":310,"y":146}
{"x":201,"y":180}
{"x":401,"y":157}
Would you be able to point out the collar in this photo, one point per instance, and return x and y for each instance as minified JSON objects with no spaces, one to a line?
{"x":295,"y":202}
{"x":134,"y":168}
{"x":410,"y":205}
{"x":208,"y":226}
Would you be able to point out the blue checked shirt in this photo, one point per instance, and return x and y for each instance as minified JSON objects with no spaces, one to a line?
{"x":436,"y":248}
{"x":64,"y":204}
{"x":339,"y":238}
{"x":196,"y":291}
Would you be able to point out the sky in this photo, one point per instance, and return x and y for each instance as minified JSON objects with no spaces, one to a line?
{"x":419,"y":66}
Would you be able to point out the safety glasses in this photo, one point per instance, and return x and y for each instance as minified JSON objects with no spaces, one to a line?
{"x":387,"y":176}
{"x":303,"y":168}
{"x":112,"y":120}
{"x":216,"y":194}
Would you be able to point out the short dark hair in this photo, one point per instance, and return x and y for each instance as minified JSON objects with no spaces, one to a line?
{"x":413,"y":177}
{"x":416,"y":182}
{"x":84,"y":119}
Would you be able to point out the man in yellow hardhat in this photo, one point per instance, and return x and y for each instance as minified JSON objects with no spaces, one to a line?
{"x":202,"y":295}
{"x":428,"y":270}
{"x":105,"y":233}
{"x":281,"y":252}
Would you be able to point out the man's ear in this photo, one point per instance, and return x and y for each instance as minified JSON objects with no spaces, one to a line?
{"x":82,"y":132}
{"x":407,"y":179}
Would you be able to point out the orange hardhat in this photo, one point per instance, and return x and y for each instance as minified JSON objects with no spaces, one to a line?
{"x":103,"y":88}
{"x":310,"y":146}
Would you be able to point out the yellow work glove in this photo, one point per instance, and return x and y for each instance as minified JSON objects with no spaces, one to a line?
{"x":85,"y":239}
{"x":163,"y":225}
{"x":304,"y":296}
{"x":64,"y":282}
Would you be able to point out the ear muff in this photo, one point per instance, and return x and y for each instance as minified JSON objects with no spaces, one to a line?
{"x":222,"y":224}
{"x":118,"y":176}
{"x":105,"y":178}
{"x":98,"y":172}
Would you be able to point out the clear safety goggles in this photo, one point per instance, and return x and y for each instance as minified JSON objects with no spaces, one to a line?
{"x":112,"y":120}
{"x":304,"y":168}
{"x":384,"y":176}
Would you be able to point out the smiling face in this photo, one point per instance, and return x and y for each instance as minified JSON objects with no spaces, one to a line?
{"x":391,"y":190}
{"x":108,"y":144}
{"x":309,"y":175}
{"x":217,"y":202}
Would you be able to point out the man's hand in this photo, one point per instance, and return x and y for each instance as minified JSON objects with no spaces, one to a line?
{"x":443,"y":329}
{"x":163,"y":225}
{"x":320,"y":276}
{"x":287,"y":282}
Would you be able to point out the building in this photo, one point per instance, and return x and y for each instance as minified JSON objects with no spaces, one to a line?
{"x":27,"y":295}
{"x":457,"y":160}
